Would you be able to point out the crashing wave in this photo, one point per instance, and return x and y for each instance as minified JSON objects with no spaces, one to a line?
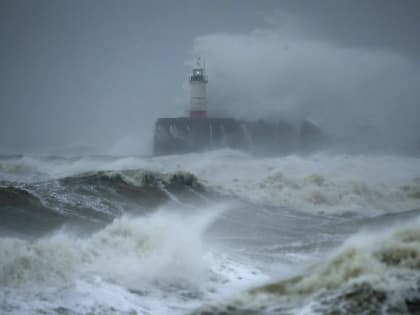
{"x":371,"y":273}
{"x":134,"y":178}
{"x":332,"y":195}
{"x":163,"y":245}
{"x":315,"y":184}
{"x":91,"y":199}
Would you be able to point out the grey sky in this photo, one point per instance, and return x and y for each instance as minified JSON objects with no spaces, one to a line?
{"x":100,"y":72}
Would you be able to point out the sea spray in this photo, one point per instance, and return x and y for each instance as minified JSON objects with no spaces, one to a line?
{"x":315,"y":183}
{"x":147,"y":254}
{"x":139,"y":261}
{"x":373,"y":271}
{"x":162,"y":245}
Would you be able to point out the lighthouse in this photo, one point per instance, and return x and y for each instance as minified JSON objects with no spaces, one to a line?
{"x":197,"y":132}
{"x":198,"y":92}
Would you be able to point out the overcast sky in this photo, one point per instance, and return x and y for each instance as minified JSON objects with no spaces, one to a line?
{"x":99,"y":73}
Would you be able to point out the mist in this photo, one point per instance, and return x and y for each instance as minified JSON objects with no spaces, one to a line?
{"x":363,"y":98}
{"x":93,"y":77}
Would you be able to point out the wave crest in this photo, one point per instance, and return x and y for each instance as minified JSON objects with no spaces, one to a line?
{"x":318,"y":193}
{"x":371,"y":272}
{"x":164,"y":246}
{"x":134,"y":178}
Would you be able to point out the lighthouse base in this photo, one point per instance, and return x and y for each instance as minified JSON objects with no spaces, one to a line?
{"x":186,"y":134}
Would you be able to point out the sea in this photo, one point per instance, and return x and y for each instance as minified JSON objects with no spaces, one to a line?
{"x":220,"y":232}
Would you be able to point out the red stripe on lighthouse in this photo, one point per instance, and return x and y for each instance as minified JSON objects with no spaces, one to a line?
{"x":198,"y":114}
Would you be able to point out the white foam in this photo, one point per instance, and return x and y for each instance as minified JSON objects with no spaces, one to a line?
{"x":315,"y":183}
{"x":30,"y":168}
{"x":385,"y":261}
{"x":157,"y":257}
{"x":163,"y":245}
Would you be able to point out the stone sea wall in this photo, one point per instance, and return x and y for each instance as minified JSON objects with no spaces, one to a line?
{"x":184,"y":134}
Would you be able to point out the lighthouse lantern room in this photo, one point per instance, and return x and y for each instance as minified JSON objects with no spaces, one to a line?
{"x":198,"y":93}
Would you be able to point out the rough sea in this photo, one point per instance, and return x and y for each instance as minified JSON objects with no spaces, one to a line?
{"x":219,"y":232}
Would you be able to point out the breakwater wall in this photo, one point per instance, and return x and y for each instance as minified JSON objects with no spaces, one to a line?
{"x":184,"y":134}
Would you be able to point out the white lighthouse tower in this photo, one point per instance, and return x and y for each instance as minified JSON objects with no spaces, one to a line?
{"x":198,"y":92}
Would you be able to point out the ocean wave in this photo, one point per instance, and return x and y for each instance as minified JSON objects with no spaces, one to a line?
{"x":157,"y":263}
{"x":133,"y":188}
{"x":41,"y":168}
{"x":164,"y":246}
{"x":21,"y":210}
{"x":331,"y":195}
{"x":320,"y":192}
{"x":92,"y":199}
{"x":318,"y":183}
{"x":375,"y":272}
{"x":16,"y":195}
{"x":21,"y":168}
{"x":128,"y":179}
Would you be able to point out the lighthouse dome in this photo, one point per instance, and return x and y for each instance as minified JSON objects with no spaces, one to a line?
{"x":198,"y":75}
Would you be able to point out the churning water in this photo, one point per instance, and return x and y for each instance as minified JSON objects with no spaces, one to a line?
{"x":220,"y":232}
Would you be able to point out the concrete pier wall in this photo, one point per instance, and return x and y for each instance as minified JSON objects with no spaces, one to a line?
{"x":184,"y":134}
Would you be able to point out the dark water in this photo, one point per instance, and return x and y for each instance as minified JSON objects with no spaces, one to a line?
{"x":187,"y":234}
{"x":93,"y":199}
